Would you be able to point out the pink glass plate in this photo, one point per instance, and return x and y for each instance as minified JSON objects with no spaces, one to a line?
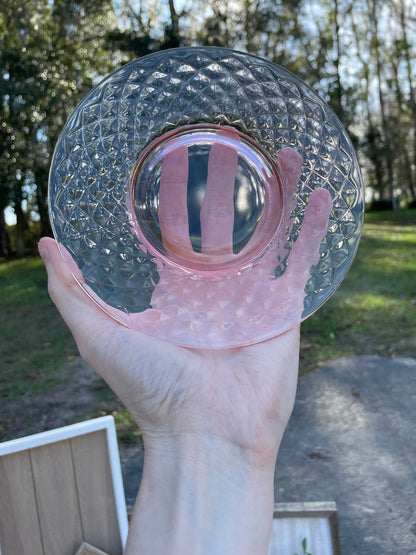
{"x":181,"y":276}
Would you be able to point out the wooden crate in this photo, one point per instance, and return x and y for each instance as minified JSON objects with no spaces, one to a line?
{"x":317,"y":522}
{"x":87,"y":549}
{"x":60,"y":488}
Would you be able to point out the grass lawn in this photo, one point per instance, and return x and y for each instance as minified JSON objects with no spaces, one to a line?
{"x":373,"y":312}
{"x":34,"y":343}
{"x":36,"y":354}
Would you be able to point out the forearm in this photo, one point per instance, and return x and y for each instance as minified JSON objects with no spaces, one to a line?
{"x":201,"y":496}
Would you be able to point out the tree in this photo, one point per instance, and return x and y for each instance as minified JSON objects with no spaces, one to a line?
{"x":406,"y":15}
{"x":388,"y":66}
{"x":51,"y":52}
{"x":17,"y":72}
{"x":370,"y":137}
{"x":146,"y":28}
{"x":358,"y":54}
{"x":373,"y":10}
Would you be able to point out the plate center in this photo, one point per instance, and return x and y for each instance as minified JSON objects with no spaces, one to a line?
{"x":206,"y":199}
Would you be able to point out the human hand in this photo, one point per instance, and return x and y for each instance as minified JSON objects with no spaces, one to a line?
{"x":130,"y":369}
{"x":212,"y":420}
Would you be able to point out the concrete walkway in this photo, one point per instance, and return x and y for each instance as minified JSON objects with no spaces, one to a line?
{"x":352,"y":440}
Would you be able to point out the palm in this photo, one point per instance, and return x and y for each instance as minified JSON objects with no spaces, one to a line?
{"x":238,"y":395}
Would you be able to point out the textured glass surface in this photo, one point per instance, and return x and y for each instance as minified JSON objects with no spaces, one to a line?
{"x":104,"y":138}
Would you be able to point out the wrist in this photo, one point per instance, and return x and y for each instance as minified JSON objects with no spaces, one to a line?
{"x":201,"y":495}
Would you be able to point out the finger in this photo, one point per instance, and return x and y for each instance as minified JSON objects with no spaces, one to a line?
{"x":217,"y":211}
{"x":94,"y":330}
{"x":173,"y":208}
{"x":289,"y":162}
{"x":290,"y":165}
{"x":78,"y":311}
{"x":305,"y":252}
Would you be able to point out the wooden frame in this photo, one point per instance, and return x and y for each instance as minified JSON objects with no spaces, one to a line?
{"x":75,"y":468}
{"x":315,"y":521}
{"x":87,"y":549}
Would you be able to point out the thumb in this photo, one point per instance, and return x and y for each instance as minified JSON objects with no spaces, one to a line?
{"x":79,"y":312}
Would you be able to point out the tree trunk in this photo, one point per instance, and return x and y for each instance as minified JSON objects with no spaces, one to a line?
{"x":4,"y":237}
{"x":174,"y":18}
{"x":401,"y":142}
{"x":339,"y":93}
{"x":172,"y":33}
{"x":41,"y":180}
{"x":384,"y":121}
{"x":372,"y":135}
{"x":21,"y":230}
{"x":412,"y":93}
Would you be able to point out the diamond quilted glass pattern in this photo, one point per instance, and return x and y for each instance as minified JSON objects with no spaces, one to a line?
{"x":143,"y":100}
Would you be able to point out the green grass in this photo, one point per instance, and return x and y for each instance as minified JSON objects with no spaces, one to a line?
{"x":34,"y":343}
{"x":374,"y":310}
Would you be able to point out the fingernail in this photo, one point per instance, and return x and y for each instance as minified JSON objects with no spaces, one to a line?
{"x":43,"y":251}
